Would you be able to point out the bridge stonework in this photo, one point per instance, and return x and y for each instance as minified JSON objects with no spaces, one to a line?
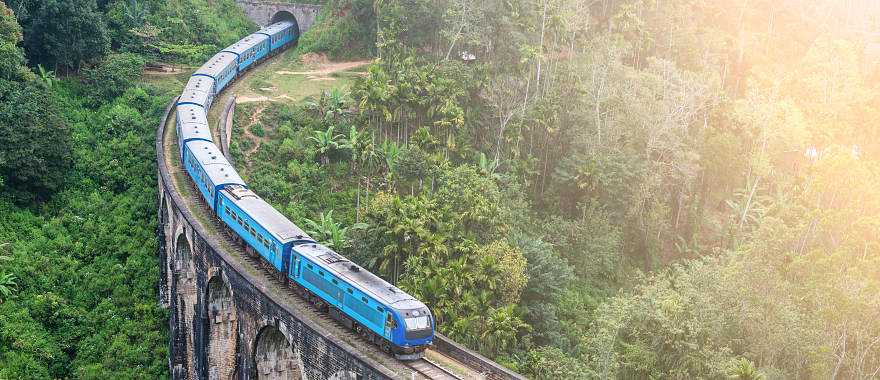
{"x":265,"y":12}
{"x":223,"y":324}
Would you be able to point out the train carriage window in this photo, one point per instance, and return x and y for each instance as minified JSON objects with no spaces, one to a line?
{"x":381,"y":310}
{"x":321,"y":272}
{"x":310,"y":266}
{"x":350,"y":291}
{"x":366,"y":301}
{"x":389,"y":322}
{"x":335,"y":282}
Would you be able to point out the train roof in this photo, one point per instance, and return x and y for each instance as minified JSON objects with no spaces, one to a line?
{"x":218,"y":169}
{"x":190,"y":113}
{"x":200,"y":83}
{"x":246,"y":43}
{"x":195,"y":97}
{"x":268,"y":217}
{"x":277,"y":27}
{"x":216,"y":64}
{"x":368,"y":282}
{"x":191,"y":131}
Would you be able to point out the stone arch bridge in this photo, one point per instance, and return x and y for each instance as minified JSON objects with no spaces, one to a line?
{"x":266,"y":12}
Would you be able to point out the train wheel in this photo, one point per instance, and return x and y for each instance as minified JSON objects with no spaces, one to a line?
{"x":386,"y":346}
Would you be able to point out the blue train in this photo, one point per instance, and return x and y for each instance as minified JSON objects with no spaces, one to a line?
{"x":363,"y":302}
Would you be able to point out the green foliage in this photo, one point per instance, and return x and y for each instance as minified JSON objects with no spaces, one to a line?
{"x":112,"y":77}
{"x":34,"y":140}
{"x":7,"y":280}
{"x":186,"y":31}
{"x":12,"y":62}
{"x":343,"y":29}
{"x":325,"y":143}
{"x":329,"y":232}
{"x":548,"y":363}
{"x":81,"y":38}
{"x":83,"y":265}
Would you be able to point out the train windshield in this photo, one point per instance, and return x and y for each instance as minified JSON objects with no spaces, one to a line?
{"x":417,"y":323}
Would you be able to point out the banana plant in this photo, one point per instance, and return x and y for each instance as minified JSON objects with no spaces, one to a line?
{"x":326,"y":142}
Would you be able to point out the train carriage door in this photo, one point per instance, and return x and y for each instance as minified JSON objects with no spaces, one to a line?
{"x":389,"y":324}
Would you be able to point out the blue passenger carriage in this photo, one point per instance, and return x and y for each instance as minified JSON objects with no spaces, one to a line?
{"x":249,"y":50}
{"x":192,"y":124}
{"x":259,"y":225}
{"x":209,"y":170}
{"x":221,"y":68}
{"x":280,"y":34}
{"x":393,"y":318}
{"x":199,"y":90}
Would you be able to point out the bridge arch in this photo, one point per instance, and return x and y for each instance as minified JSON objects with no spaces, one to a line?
{"x":221,"y":329}
{"x":284,"y":16}
{"x":182,"y":252}
{"x":274,"y":358}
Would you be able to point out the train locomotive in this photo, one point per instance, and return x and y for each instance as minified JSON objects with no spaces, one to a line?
{"x":360,"y":300}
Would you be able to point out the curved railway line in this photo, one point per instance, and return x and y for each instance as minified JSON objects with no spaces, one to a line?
{"x":441,"y":366}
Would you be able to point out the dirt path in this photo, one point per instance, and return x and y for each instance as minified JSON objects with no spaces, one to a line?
{"x":326,"y":69}
{"x":258,"y":141}
{"x":251,"y":99}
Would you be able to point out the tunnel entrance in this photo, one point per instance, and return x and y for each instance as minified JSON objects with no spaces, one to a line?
{"x":273,"y":357}
{"x":285,"y":16}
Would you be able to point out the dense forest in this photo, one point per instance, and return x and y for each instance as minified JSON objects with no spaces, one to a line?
{"x":577,"y":188}
{"x":78,"y":263}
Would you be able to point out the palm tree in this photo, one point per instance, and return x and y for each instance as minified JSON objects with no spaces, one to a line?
{"x":7,"y":286}
{"x":390,"y":151}
{"x":330,"y":106}
{"x":7,"y":280}
{"x":502,"y":329}
{"x":353,"y":143}
{"x":335,"y":104}
{"x":328,"y":231}
{"x":326,"y":142}
{"x":46,"y":76}
{"x":488,"y":167}
{"x":744,"y":369}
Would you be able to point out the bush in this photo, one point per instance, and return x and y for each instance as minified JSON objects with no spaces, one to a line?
{"x":34,"y":140}
{"x":113,"y":76}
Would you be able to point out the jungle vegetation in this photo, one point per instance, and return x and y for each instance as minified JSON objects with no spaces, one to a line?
{"x":578,"y":189}
{"x":78,"y":263}
{"x":606,"y":189}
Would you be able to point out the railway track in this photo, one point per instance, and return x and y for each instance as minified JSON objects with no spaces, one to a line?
{"x":431,"y":370}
